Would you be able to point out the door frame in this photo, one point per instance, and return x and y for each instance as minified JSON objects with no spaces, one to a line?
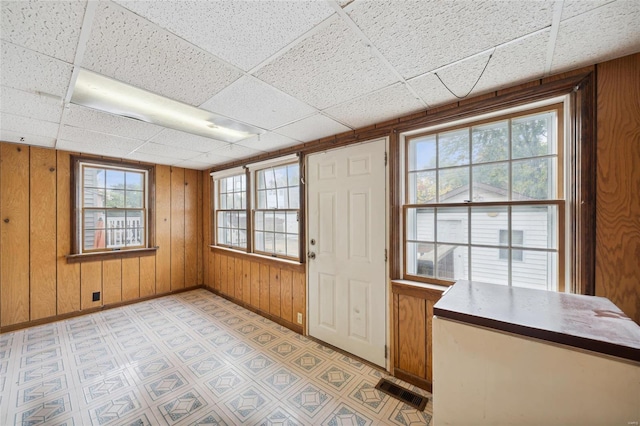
{"x":387,"y":239}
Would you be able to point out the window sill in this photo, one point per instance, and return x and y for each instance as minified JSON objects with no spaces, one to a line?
{"x":265,"y":260}
{"x":110,"y":255}
{"x":418,"y":289}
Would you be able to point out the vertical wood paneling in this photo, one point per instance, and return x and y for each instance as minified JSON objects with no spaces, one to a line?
{"x":163,"y":229}
{"x":411,"y":335}
{"x":68,"y":275}
{"x":206,"y":231}
{"x":177,"y":228}
{"x":286,"y":295}
{"x":90,"y":282}
{"x":246,"y":281}
{"x":264,"y":287}
{"x":147,"y":276}
{"x":42,"y":253}
{"x":255,"y":285}
{"x":231,"y":276}
{"x":191,"y":252}
{"x":214,"y":270}
{"x":299,"y":290}
{"x":112,"y":281}
{"x":14,"y":238}
{"x":200,"y":235}
{"x":618,"y":183}
{"x":274,"y":291}
{"x":239,"y":279}
{"x":223,"y":273}
{"x":130,"y":278}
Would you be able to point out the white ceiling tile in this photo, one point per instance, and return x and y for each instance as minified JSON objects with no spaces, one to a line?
{"x":383,"y":105}
{"x":25,"y":138}
{"x":243,"y":33}
{"x":420,"y":36}
{"x":255,"y":102}
{"x":167,"y":151}
{"x":151,"y":158}
{"x":98,"y":121}
{"x":312,"y":128}
{"x":90,"y":147}
{"x":328,"y":68}
{"x":268,"y":142}
{"x":604,"y":33}
{"x":234,"y":151}
{"x":49,"y":27}
{"x":195,"y":165}
{"x":96,"y":140}
{"x":19,"y":124}
{"x":34,"y":72}
{"x":124,"y":46}
{"x":459,"y":78}
{"x":344,"y":3}
{"x":28,"y":104}
{"x":211,"y":159}
{"x":571,"y":8}
{"x":183,"y":140}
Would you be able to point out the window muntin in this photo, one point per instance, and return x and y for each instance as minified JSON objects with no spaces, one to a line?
{"x":276,"y":219}
{"x":231,"y":214}
{"x":113,"y":208}
{"x":466,"y":184}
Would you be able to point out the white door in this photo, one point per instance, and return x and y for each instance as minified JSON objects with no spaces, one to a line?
{"x":347,"y":233}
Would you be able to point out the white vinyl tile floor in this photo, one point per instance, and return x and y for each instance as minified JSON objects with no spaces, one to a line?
{"x":188,"y":359}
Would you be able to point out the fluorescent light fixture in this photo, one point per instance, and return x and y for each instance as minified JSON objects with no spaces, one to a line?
{"x":115,"y":97}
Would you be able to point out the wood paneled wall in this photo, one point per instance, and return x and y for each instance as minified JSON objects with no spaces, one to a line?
{"x":618,"y":193}
{"x":276,"y":290}
{"x":37,"y":283}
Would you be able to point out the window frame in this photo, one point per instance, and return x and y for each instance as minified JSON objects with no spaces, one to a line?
{"x":77,"y":209}
{"x":217,"y":209}
{"x":560,"y":200}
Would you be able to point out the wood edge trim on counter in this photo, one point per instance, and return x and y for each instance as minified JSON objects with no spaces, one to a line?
{"x":278,"y":263}
{"x":413,"y":379}
{"x":606,"y":348}
{"x":416,"y":291}
{"x":62,"y":317}
{"x":293,"y":327}
{"x":109,"y":255}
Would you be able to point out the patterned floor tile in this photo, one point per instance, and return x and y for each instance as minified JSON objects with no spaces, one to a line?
{"x":257,"y":364}
{"x":310,"y":400}
{"x":215,"y":417}
{"x":177,"y":341}
{"x":409,"y":416}
{"x":153,"y":367}
{"x":93,"y":355}
{"x":222,"y":340}
{"x":206,"y":366}
{"x":40,"y":344}
{"x":132,"y":342}
{"x":83,"y":345}
{"x":41,"y":390}
{"x":278,"y":417}
{"x":46,"y":412}
{"x":284,"y":349}
{"x":191,"y":352}
{"x":366,"y":395}
{"x":207,"y":330}
{"x":248,"y":403}
{"x":336,"y":377}
{"x":167,"y":384}
{"x":182,"y":407}
{"x":40,"y":357}
{"x":308,"y":362}
{"x":113,"y":411}
{"x":106,"y":386}
{"x":97,"y":370}
{"x":238,"y":351}
{"x":224,"y":383}
{"x":143,"y":353}
{"x":281,"y":380}
{"x":265,"y":338}
{"x":345,"y":415}
{"x":40,"y":372}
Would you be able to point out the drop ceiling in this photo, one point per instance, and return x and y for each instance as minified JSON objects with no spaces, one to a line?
{"x":299,"y":70}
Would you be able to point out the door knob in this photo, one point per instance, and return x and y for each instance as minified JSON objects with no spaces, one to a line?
{"x":311,"y":255}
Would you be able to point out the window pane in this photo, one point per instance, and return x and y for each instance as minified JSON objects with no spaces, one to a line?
{"x":532,"y":136}
{"x":135,"y":218}
{"x":269,"y":221}
{"x":487,"y":267}
{"x":533,"y":179}
{"x":486,"y":223}
{"x":259,"y":241}
{"x":269,"y":240}
{"x":453,"y":225}
{"x":115,"y":179}
{"x":272,"y":200}
{"x":422,"y":187}
{"x":454,"y":185}
{"x":234,"y":219}
{"x":422,"y":153}
{"x":292,"y":245}
{"x":536,"y":270}
{"x":134,"y":180}
{"x":453,"y":148}
{"x":420,"y":259}
{"x":135,"y":237}
{"x":261,"y":184}
{"x":242,"y":220}
{"x":93,"y":197}
{"x":259,"y":221}
{"x":116,"y":223}
{"x":279,"y":224}
{"x":281,"y":244}
{"x":94,"y":177}
{"x":281,"y":176}
{"x":420,"y":224}
{"x":115,"y":198}
{"x":269,"y":179}
{"x":452,"y":262}
{"x":294,"y":198}
{"x":262,"y":200}
{"x":237,"y":183}
{"x":292,"y":223}
{"x":134,"y":199}
{"x":283,"y":198}
{"x":293,"y":172}
{"x":223,"y":201}
{"x":540,"y":223}
{"x":491,"y":182}
{"x":490,"y":142}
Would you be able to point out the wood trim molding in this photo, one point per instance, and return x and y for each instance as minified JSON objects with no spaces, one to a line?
{"x":278,"y":263}
{"x":413,"y":379}
{"x":110,"y":255}
{"x":418,"y":291}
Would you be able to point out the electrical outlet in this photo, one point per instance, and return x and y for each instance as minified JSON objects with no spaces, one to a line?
{"x":299,"y":317}
{"x":96,"y":296}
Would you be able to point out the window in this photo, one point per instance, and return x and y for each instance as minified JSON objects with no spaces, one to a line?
{"x":473,"y":190}
{"x":112,"y":206}
{"x":232,"y":213}
{"x":274,"y":209}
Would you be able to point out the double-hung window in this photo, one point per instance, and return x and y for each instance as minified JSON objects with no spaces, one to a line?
{"x":267,"y":208}
{"x":113,"y":208}
{"x":484,"y":201}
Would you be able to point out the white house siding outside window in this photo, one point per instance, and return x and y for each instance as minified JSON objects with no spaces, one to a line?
{"x":484,"y":202}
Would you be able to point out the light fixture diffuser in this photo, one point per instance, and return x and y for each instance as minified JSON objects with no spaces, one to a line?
{"x":115,"y":97}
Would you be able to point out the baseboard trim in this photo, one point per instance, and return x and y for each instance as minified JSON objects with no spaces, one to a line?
{"x":413,"y":379}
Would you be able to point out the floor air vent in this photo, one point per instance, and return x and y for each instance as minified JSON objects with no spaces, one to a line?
{"x":410,"y":398}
